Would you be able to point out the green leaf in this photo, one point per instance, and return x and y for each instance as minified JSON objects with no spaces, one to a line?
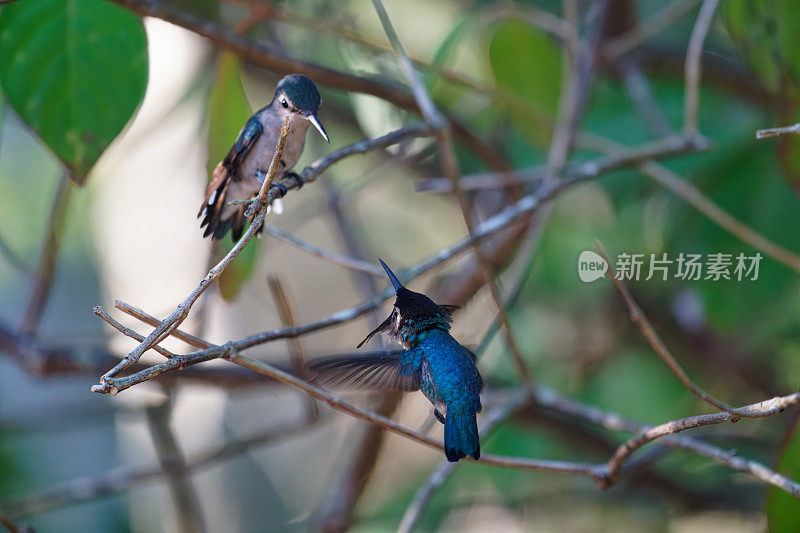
{"x":783,"y":510}
{"x":527,"y":64}
{"x":228,"y":110}
{"x":75,"y":71}
{"x":765,"y":34}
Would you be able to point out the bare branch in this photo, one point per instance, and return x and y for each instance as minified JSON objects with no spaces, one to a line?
{"x":691,"y":101}
{"x":45,"y":270}
{"x":128,"y":332}
{"x":625,"y":158}
{"x":699,"y":201}
{"x":649,"y":333}
{"x":777,"y":132}
{"x":762,"y":409}
{"x":648,"y":28}
{"x":295,"y":348}
{"x":326,"y":255}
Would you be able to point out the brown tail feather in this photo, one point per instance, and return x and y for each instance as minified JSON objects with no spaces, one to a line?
{"x":215,"y":203}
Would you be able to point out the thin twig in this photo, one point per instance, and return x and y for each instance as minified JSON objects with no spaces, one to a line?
{"x":262,"y":199}
{"x":691,"y":101}
{"x":626,"y":158}
{"x":128,"y":332}
{"x":326,"y":255}
{"x":648,"y":28}
{"x":777,"y":132}
{"x":702,"y":203}
{"x":45,"y":270}
{"x":295,"y":347}
{"x":638,"y":317}
{"x":762,"y":409}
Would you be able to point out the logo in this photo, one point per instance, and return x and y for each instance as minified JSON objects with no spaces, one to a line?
{"x":591,"y":266}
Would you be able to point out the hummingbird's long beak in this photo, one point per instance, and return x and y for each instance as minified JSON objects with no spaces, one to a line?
{"x":392,"y":277}
{"x":317,"y":124}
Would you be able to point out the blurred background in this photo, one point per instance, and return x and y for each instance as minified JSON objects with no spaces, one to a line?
{"x":137,"y":101}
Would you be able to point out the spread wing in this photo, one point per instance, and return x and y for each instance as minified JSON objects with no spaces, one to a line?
{"x":216,"y":194}
{"x":389,"y":371}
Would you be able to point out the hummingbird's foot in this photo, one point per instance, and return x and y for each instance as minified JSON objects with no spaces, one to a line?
{"x":297,"y":178}
{"x":281,"y":188}
{"x":438,"y":416}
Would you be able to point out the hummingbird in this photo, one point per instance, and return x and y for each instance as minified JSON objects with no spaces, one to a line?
{"x":240,"y":175}
{"x":431,"y":361}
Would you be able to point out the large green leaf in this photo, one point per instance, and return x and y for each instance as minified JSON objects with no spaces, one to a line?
{"x":527,"y":64}
{"x":228,"y":110}
{"x":75,"y":71}
{"x":783,"y":510}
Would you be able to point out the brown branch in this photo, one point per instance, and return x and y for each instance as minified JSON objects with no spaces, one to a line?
{"x":691,"y":195}
{"x":694,"y":51}
{"x":762,"y":409}
{"x":187,"y":507}
{"x":128,"y":332}
{"x":295,"y":347}
{"x":45,"y":270}
{"x":638,"y":317}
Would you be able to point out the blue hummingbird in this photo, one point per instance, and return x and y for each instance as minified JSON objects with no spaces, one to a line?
{"x":432,"y":361}
{"x":240,"y":175}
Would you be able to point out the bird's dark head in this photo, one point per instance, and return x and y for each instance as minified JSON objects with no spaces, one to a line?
{"x":297,"y":95}
{"x":413,"y":312}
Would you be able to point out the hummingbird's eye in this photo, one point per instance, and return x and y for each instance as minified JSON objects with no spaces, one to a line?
{"x":284,"y":104}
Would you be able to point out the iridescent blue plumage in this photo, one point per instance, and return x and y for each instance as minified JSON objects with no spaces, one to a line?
{"x":432,"y":361}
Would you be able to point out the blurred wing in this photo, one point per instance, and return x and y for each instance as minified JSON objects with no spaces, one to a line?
{"x":388,"y":371}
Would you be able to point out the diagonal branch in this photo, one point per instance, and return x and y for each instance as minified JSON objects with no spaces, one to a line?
{"x":449,"y":165}
{"x":45,"y":270}
{"x":649,"y":333}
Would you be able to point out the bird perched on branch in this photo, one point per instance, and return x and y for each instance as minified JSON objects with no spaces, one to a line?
{"x":240,"y":175}
{"x":432,"y":361}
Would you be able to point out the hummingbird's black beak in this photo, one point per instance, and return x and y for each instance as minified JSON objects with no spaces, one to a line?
{"x":392,"y":277}
{"x":317,"y":124}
